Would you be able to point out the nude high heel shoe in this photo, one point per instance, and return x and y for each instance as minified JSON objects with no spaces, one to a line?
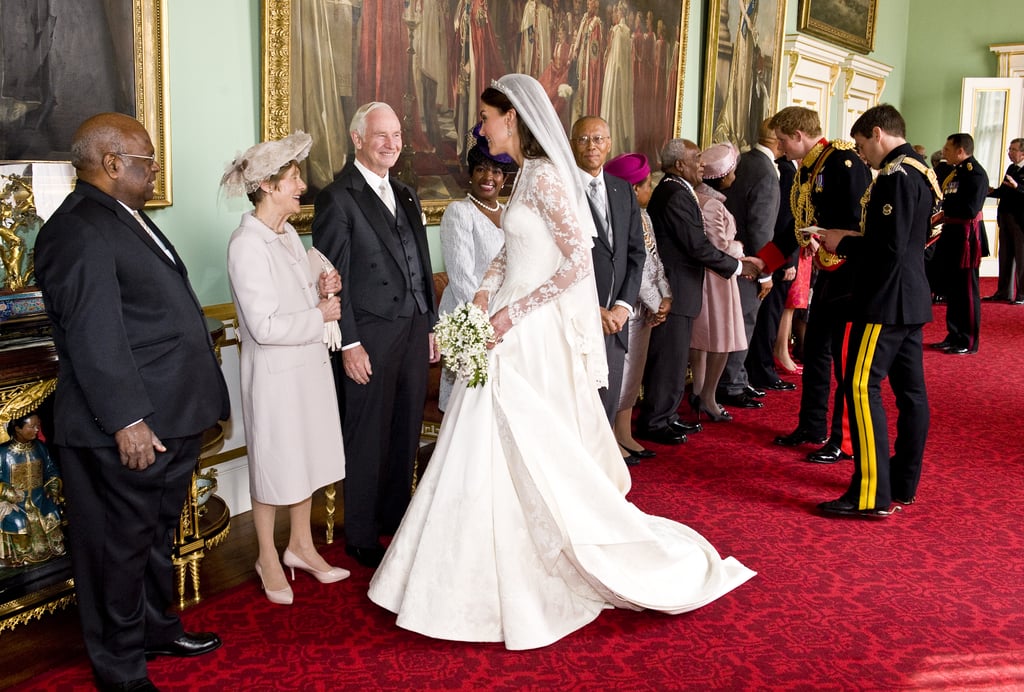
{"x":283,"y":596}
{"x":291,"y":561}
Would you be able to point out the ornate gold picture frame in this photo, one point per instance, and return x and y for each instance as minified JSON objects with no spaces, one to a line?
{"x":741,"y":75}
{"x":85,"y":57}
{"x":321,"y":60}
{"x":848,"y":23}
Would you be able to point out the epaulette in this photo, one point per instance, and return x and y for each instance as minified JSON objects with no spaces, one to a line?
{"x":843,"y":144}
{"x":896,"y":165}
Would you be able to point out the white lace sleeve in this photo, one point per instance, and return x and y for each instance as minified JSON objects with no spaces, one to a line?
{"x":550,"y":199}
{"x":495,"y":274}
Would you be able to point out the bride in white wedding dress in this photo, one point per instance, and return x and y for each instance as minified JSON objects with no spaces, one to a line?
{"x":520,"y":531}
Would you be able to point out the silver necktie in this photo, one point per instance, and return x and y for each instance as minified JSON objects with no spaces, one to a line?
{"x":598,"y":198}
{"x":387,"y":196}
{"x":156,"y":239}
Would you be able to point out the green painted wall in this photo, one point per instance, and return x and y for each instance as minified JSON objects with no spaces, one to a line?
{"x":213,"y":64}
{"x":891,"y":22}
{"x":950,"y":42}
{"x":214,"y":73}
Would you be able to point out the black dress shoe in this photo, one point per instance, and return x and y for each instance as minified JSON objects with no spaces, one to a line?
{"x":905,"y":500}
{"x":754,"y":392}
{"x":995,"y":296}
{"x":681,"y":427}
{"x":137,"y":685}
{"x":640,"y":453}
{"x":779,"y":386}
{"x":800,"y":436}
{"x":960,"y":351}
{"x":842,"y":507}
{"x":1018,"y":301}
{"x":829,"y":454}
{"x":367,"y":557}
{"x":188,"y":644}
{"x":742,"y":400}
{"x":941,"y":345}
{"x":631,"y":460}
{"x":663,"y":436}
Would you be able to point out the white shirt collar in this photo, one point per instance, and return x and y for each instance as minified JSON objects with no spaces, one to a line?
{"x":372,"y":179}
{"x":586,"y":177}
{"x":766,"y":151}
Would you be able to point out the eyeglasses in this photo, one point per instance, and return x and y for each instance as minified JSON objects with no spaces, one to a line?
{"x":598,"y":140}
{"x":151,"y":158}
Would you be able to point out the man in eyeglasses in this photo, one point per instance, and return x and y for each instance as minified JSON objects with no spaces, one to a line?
{"x":138,"y":385}
{"x":618,"y":250}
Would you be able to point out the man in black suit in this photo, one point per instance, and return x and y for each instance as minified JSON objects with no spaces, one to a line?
{"x":890,"y":304}
{"x":138,"y":385}
{"x":372,"y":228}
{"x":826,"y":193}
{"x":686,"y":252}
{"x":962,"y":244}
{"x":760,"y":362}
{"x":753,"y":201}
{"x":1010,"y":217}
{"x":618,"y":250}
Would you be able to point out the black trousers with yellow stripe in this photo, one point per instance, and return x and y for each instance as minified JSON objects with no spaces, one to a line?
{"x":877,"y":351}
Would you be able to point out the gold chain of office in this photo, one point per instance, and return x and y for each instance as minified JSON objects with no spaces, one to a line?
{"x":802,"y":206}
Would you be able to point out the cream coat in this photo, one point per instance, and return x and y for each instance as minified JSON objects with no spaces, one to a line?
{"x":289,"y":405}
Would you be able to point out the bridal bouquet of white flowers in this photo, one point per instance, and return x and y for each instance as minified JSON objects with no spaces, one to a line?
{"x":462,"y":336}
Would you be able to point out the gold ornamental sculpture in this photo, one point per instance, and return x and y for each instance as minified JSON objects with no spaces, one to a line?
{"x":18,"y":219}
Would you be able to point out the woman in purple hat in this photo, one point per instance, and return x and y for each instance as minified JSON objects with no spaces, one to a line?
{"x":471,"y":233}
{"x":653,"y":303}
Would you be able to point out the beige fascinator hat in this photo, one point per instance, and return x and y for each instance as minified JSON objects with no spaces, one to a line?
{"x":719,"y":160}
{"x":245,"y":173}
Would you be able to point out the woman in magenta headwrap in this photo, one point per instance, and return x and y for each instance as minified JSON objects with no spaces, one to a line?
{"x":652,"y":304}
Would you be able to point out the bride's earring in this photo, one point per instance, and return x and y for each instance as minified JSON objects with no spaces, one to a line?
{"x":508,"y":128}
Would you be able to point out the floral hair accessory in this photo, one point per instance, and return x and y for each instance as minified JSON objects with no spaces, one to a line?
{"x":245,"y":173}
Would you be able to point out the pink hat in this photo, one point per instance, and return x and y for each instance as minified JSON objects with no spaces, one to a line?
{"x":633,"y":168}
{"x":719,"y":160}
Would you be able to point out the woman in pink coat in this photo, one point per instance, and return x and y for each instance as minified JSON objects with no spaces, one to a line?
{"x":718,"y":330}
{"x":289,"y":406}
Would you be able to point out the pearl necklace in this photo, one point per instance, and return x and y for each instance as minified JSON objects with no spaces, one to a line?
{"x":496,"y":207}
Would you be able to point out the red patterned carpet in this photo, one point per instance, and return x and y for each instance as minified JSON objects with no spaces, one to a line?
{"x":931,"y":598}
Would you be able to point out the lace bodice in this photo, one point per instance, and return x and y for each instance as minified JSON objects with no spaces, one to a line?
{"x":546,"y":249}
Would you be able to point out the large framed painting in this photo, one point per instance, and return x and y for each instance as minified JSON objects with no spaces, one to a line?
{"x":62,"y":62}
{"x":849,"y":23}
{"x":431,"y":59}
{"x":741,"y":72}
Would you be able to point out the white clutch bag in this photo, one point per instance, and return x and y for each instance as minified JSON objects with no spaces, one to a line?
{"x":319,"y":264}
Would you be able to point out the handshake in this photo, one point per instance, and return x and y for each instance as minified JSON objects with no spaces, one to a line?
{"x":753,"y":267}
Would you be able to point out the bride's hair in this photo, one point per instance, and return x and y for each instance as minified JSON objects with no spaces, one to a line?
{"x":496,"y":99}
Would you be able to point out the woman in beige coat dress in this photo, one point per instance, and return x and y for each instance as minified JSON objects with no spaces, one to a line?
{"x":289,"y":406}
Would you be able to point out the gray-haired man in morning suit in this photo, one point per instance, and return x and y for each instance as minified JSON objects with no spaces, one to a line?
{"x":371,"y":227}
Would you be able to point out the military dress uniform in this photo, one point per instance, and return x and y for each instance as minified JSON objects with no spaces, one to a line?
{"x":891,"y":302}
{"x":961,"y":247}
{"x":1010,"y":217}
{"x":827,"y":193}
